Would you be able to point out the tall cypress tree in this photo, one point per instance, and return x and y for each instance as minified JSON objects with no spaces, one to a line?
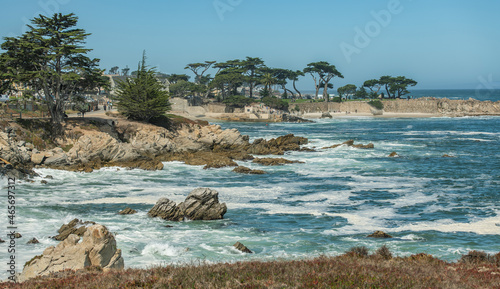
{"x":142,"y":97}
{"x":50,"y":58}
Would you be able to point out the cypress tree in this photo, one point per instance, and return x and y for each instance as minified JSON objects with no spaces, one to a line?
{"x":142,"y":97}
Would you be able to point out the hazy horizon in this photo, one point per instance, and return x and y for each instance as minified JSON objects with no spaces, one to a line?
{"x":442,"y":45}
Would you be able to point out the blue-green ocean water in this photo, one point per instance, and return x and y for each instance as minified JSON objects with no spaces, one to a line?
{"x":330,"y":203}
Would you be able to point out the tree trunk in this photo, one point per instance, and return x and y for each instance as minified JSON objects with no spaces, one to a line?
{"x":326,"y":96}
{"x":300,"y":95}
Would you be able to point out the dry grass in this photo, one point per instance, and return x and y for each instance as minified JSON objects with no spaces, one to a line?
{"x":351,"y":270}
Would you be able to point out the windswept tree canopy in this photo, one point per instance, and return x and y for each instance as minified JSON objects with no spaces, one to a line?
{"x":396,"y":86}
{"x":323,"y":73}
{"x":51,"y":59}
{"x":344,"y":91}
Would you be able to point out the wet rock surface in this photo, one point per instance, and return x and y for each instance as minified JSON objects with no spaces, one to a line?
{"x":200,"y":204}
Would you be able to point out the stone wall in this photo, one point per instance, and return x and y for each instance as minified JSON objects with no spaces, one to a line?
{"x":359,"y":106}
{"x":179,"y":104}
{"x":420,"y":105}
{"x":216,"y":108}
{"x":442,"y":106}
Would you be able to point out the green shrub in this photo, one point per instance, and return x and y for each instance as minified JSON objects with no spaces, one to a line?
{"x":376,"y":104}
{"x":276,"y":103}
{"x":239,"y":101}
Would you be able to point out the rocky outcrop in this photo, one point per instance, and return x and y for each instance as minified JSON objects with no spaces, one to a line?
{"x":350,"y":143}
{"x":208,"y":159}
{"x":274,"y":161}
{"x":15,"y":156}
{"x":127,"y":211}
{"x":97,"y":248}
{"x":200,"y":204}
{"x":277,"y":146}
{"x":14,"y":152}
{"x":245,"y":170}
{"x":242,"y":248}
{"x":76,"y":227}
{"x":393,"y":155}
{"x":379,"y":234}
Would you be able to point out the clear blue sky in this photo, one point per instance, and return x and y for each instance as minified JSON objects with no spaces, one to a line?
{"x":441,"y":44}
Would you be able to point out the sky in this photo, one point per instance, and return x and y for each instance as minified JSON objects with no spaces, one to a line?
{"x":440,"y":44}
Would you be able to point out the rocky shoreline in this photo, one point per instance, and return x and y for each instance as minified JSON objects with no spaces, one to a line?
{"x":89,"y":144}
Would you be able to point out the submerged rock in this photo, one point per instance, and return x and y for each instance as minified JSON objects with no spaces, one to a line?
{"x":200,"y":204}
{"x":245,"y":170}
{"x":350,"y":143}
{"x":277,"y":146}
{"x":127,"y":211}
{"x":274,"y":161}
{"x":242,"y":248}
{"x":209,"y":159}
{"x":393,"y":155}
{"x":33,"y":241}
{"x":97,"y":248}
{"x":379,"y":234}
{"x":291,"y":118}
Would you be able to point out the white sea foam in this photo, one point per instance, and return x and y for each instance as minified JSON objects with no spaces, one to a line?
{"x":486,"y":226}
{"x":163,"y":249}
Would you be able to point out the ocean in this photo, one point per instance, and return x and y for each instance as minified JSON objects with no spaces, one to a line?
{"x":444,"y":206}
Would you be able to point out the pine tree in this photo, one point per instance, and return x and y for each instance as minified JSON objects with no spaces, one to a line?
{"x":142,"y":97}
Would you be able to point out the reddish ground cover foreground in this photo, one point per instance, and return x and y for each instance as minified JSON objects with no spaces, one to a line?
{"x":355,"y":269}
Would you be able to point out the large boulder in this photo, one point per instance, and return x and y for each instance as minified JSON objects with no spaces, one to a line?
{"x":203,"y":204}
{"x":200,"y":204}
{"x":167,"y":210}
{"x":59,"y":159}
{"x":97,"y":248}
